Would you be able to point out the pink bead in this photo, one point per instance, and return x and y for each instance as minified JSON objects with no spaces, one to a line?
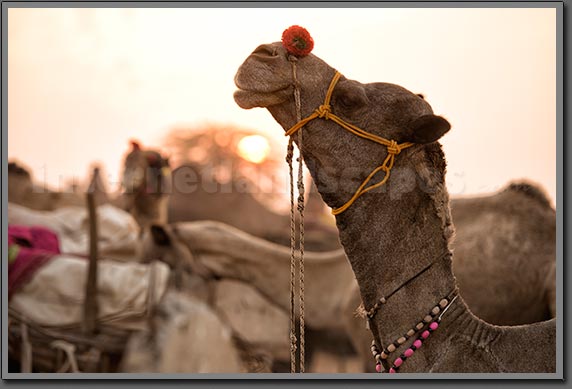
{"x":417,"y":343}
{"x":425,"y":334}
{"x":398,"y":362}
{"x":434,"y":325}
{"x":392,"y":370}
{"x":378,"y":367}
{"x":408,"y":352}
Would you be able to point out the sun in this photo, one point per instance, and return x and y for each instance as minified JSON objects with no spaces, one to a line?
{"x":253,"y":148}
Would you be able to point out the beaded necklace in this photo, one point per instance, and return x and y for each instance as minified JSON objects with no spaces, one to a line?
{"x":422,"y":329}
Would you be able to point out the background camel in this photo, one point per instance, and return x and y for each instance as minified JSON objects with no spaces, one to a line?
{"x":258,"y":326}
{"x":232,"y":205}
{"x":22,"y":190}
{"x":146,"y":185}
{"x":411,"y":228}
{"x":243,"y":210}
{"x":187,"y":336}
{"x":516,"y":230}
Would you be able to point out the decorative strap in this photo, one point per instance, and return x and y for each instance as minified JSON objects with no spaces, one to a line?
{"x":423,"y":329}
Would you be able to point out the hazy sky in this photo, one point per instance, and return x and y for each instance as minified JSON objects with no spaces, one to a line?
{"x":82,"y":82}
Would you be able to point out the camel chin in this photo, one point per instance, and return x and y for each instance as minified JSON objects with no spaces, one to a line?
{"x":248,"y":99}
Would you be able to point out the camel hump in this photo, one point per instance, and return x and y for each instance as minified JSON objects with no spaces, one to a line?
{"x":531,"y":190}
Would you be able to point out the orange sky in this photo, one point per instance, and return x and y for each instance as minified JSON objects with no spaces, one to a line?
{"x":82,"y":82}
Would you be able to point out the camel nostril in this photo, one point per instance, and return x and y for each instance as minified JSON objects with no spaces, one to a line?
{"x":265,"y":51}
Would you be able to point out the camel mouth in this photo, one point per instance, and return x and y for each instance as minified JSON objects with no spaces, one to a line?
{"x":251,"y":98}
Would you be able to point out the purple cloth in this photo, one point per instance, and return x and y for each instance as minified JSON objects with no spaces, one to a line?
{"x":36,"y":246}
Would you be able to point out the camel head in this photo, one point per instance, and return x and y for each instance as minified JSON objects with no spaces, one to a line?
{"x":19,"y":182}
{"x":161,"y":242}
{"x":339,"y":160}
{"x":145,"y":171}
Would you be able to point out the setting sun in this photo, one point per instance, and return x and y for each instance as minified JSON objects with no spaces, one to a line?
{"x":253,"y":148}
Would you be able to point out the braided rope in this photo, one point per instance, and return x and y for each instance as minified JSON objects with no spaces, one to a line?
{"x":300,"y":208}
{"x":301,"y":191}
{"x":289,"y":156}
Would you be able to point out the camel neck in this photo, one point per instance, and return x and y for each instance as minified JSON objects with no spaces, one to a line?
{"x":398,"y":247}
{"x":391,"y":240}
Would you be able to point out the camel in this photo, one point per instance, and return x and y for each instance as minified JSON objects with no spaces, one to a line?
{"x":506,"y":244}
{"x":243,"y":290}
{"x":396,"y":240}
{"x":239,"y":208}
{"x":261,"y":339}
{"x":19,"y":182}
{"x":202,"y":201}
{"x":23,"y":191}
{"x":213,"y":248}
{"x":187,"y":336}
{"x":146,"y":185}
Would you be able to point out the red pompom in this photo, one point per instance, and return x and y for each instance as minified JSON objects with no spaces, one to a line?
{"x":297,"y":41}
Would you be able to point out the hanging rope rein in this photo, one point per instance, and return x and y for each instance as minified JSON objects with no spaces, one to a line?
{"x":293,"y":341}
{"x":300,"y":263}
{"x":301,"y":191}
{"x":324,"y":111}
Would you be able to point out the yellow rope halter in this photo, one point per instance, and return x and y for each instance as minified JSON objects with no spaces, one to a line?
{"x":324,"y":111}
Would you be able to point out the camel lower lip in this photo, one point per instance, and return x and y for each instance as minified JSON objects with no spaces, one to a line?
{"x":251,"y":98}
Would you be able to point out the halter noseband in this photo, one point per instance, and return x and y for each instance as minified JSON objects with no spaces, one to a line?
{"x":324,"y":111}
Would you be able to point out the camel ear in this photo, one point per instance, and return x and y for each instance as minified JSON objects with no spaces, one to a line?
{"x":135,"y":145}
{"x":160,"y":236}
{"x":427,"y":129}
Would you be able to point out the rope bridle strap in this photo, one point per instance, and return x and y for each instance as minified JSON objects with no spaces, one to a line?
{"x":300,"y":262}
{"x":324,"y":111}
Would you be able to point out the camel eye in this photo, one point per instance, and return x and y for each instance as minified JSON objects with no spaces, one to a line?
{"x":346,"y":101}
{"x":350,"y":101}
